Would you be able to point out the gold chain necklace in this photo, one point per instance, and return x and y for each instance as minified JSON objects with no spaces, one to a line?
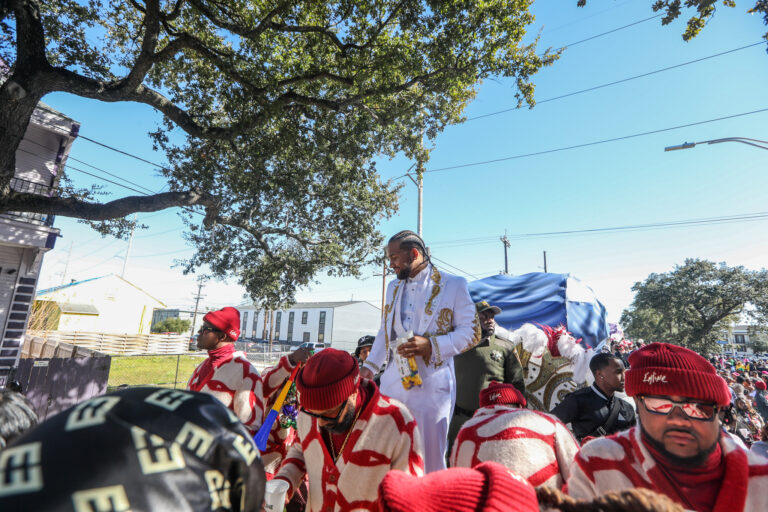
{"x":330,"y":438}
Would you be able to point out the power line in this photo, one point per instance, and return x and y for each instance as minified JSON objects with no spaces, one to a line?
{"x":658,"y":225}
{"x":160,"y":233}
{"x":121,"y":151}
{"x":612,"y":31}
{"x":601,"y":86}
{"x":163,"y":253}
{"x":706,"y":221}
{"x":455,"y":268}
{"x":69,"y":157}
{"x":594,"y":143}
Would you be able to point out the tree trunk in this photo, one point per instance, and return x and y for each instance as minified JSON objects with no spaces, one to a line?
{"x":15,"y":113}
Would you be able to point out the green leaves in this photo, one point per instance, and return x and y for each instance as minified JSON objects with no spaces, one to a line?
{"x":695,"y":302}
{"x":287,"y":106}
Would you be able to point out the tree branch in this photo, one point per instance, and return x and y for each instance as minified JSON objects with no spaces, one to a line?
{"x":73,"y":207}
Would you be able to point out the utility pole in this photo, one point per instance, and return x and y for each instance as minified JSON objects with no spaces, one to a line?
{"x":66,"y":265}
{"x":505,"y":242}
{"x":128,"y":250}
{"x":420,"y":184}
{"x":545,"y":262}
{"x":383,"y":284}
{"x":200,"y":281}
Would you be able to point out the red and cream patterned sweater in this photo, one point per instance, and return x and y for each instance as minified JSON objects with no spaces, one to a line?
{"x":622,"y":461}
{"x":533,"y":444}
{"x":230,"y":377}
{"x":384,"y":437}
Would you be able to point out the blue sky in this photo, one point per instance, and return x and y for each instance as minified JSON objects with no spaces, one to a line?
{"x":620,"y":183}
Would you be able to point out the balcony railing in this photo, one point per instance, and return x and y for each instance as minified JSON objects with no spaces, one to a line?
{"x":30,"y":187}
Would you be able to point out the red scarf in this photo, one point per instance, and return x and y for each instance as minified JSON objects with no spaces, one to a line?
{"x":216,"y":358}
{"x":697,"y":487}
{"x":729,"y":477}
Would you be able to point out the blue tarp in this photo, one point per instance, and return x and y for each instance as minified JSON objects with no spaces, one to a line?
{"x":548,"y":299}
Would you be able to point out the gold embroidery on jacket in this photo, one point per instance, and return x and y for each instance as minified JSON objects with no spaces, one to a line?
{"x":444,"y":322}
{"x":387,"y":310}
{"x":436,"y":277}
{"x":478,"y":335}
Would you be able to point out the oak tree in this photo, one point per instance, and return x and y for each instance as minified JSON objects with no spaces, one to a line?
{"x":694,"y":303}
{"x":285,"y":106}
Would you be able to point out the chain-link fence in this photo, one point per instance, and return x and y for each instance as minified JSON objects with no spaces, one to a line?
{"x":174,"y":371}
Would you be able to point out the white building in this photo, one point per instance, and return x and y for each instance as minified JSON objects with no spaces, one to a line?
{"x":339,"y":324}
{"x":25,"y":237}
{"x":108,"y":304}
{"x":738,"y":340}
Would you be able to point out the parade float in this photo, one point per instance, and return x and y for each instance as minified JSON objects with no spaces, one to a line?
{"x":555,"y":322}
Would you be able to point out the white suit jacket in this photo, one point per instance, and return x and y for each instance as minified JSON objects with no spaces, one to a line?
{"x":447,"y":318}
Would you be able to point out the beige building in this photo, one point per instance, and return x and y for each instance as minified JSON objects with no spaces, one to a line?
{"x":101,"y":304}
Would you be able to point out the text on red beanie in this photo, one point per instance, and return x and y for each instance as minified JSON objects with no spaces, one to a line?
{"x":501,"y":394}
{"x":225,"y":319}
{"x":488,"y":487}
{"x":665,"y":369}
{"x":328,"y":378}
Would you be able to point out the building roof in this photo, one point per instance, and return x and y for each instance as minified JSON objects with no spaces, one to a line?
{"x":75,"y":283}
{"x":68,"y":285}
{"x":47,"y":108}
{"x":79,"y":309}
{"x":316,"y":305}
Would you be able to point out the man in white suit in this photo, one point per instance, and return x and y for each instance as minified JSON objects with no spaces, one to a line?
{"x":437,"y":308}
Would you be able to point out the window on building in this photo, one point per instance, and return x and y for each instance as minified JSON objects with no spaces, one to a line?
{"x":321,"y":328}
{"x":255,"y":321}
{"x":278,"y":317}
{"x":245,"y":324}
{"x":305,"y":337}
{"x":304,"y":317}
{"x":739,"y":339}
{"x":290,"y":326}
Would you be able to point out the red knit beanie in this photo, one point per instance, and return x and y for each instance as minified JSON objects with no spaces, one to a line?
{"x":760,"y":385}
{"x":664,"y":369}
{"x":226,"y":319}
{"x":488,"y":487}
{"x":328,"y":378}
{"x":501,"y":394}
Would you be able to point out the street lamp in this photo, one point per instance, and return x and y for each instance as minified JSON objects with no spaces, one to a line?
{"x":762,"y":144}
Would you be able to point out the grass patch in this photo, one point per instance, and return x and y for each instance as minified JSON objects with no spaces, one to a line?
{"x":152,"y":370}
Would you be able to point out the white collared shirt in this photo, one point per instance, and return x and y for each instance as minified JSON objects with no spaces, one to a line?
{"x":411,"y":299}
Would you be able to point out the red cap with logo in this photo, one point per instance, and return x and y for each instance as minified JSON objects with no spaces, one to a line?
{"x":668,"y":370}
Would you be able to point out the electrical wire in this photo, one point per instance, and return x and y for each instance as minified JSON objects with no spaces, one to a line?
{"x":612,"y":31}
{"x":593,"y":143}
{"x":453,"y":267}
{"x":615,"y":82}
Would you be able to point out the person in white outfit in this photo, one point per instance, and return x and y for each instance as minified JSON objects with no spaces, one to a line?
{"x":436,"y":308}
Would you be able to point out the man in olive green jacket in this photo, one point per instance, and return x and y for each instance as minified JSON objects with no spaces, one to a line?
{"x":493,"y":359}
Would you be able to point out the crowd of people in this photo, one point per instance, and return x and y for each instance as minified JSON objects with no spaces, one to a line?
{"x":430,"y":414}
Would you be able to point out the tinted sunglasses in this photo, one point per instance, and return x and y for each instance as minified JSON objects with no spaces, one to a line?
{"x":693,"y":410}
{"x":321,"y":417}
{"x":209,"y":328}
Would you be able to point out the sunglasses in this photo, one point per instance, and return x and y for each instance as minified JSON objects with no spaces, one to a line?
{"x":321,"y":417}
{"x":208,"y":328}
{"x":693,"y":410}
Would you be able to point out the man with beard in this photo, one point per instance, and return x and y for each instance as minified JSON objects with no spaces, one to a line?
{"x":349,"y":436}
{"x":679,"y":447}
{"x":434,"y":311}
{"x":595,"y":411}
{"x":493,"y":359}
